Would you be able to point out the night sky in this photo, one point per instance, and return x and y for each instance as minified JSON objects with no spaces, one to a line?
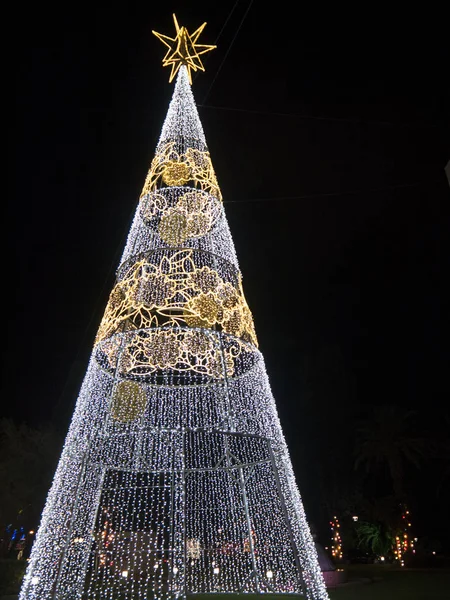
{"x":329,"y":134}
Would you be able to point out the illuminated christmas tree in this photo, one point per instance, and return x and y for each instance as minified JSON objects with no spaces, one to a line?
{"x":175,"y":477}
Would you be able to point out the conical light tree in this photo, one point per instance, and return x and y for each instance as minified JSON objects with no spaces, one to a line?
{"x":175,"y":477}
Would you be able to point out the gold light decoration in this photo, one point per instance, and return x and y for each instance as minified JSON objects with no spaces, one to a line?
{"x":204,"y":175}
{"x":177,"y":292}
{"x":183,"y":50}
{"x":128,"y":401}
{"x":201,"y":211}
{"x":173,"y":227}
{"x":171,"y":168}
{"x":193,"y":215}
{"x":176,"y":173}
{"x":193,"y":202}
{"x":182,"y":350}
{"x":155,"y":204}
{"x":206,"y":307}
{"x":206,"y":280}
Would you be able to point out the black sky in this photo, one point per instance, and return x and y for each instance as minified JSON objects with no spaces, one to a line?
{"x":329,"y":134}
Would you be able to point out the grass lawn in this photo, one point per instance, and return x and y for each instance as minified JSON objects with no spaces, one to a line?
{"x":393,"y":584}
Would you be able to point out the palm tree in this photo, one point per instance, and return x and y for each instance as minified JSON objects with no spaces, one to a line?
{"x":376,"y":538}
{"x":443,"y":454}
{"x":386,"y":438}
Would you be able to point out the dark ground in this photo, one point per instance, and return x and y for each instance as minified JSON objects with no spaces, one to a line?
{"x":392,"y":584}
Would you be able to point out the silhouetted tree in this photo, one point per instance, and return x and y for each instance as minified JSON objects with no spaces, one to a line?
{"x":387,"y":439}
{"x":27,"y":462}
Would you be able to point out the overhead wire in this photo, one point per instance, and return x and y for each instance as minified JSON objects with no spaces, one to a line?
{"x":228,"y":50}
{"x":279,"y":114}
{"x":337,"y":193}
{"x":225,"y":24}
{"x":196,"y":74}
{"x":355,"y":120}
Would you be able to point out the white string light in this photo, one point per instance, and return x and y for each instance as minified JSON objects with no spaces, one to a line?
{"x":175,"y":476}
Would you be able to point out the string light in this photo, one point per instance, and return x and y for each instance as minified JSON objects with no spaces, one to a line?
{"x":336,"y":540}
{"x":175,"y":476}
{"x":404,"y":543}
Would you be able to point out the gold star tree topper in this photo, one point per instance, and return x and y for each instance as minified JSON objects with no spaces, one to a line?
{"x":183,"y":50}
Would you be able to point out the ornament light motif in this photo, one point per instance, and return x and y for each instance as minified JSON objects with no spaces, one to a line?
{"x":175,"y":169}
{"x":174,"y":291}
{"x":183,"y":50}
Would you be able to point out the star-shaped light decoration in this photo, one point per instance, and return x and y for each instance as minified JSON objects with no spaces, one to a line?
{"x":183,"y":50}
